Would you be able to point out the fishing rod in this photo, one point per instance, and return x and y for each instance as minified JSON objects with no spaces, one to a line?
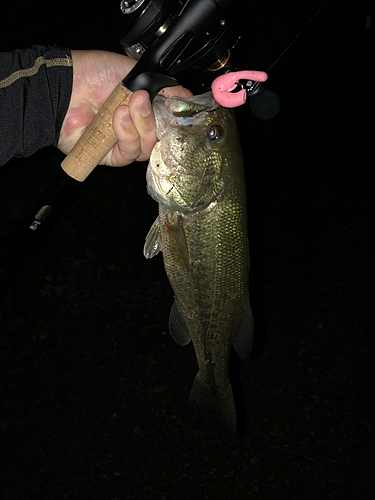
{"x":167,"y":38}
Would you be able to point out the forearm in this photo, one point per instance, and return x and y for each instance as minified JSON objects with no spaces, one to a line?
{"x":35,"y":91}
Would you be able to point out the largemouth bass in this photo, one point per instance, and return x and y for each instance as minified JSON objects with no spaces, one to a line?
{"x":196,"y":175}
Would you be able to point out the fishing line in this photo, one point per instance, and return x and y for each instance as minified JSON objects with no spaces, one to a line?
{"x":263,"y":103}
{"x":298,"y":35}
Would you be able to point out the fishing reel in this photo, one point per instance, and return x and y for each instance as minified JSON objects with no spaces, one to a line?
{"x":146,"y":21}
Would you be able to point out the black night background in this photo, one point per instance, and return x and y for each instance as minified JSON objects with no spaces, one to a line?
{"x":94,"y":391}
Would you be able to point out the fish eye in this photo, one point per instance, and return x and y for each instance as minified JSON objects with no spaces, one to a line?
{"x":215,"y":134}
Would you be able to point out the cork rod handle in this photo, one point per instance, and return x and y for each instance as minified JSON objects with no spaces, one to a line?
{"x":98,"y":138}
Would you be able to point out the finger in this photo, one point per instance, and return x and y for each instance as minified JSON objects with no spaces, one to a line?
{"x":128,"y":147}
{"x":144,"y":120}
{"x":178,"y":91}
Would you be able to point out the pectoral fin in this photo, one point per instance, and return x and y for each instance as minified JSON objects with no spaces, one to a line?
{"x":243,"y":341}
{"x":177,"y":326}
{"x":152,"y":245}
{"x":177,"y":241}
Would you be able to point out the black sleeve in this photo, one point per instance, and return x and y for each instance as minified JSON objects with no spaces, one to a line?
{"x":35,"y":90}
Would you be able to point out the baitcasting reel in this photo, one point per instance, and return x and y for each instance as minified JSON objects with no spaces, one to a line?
{"x":210,"y":51}
{"x":148,"y":20}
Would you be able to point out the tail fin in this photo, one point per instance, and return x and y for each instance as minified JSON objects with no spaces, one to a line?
{"x":204,"y":400}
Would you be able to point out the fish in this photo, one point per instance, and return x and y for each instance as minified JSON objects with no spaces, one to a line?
{"x":196,"y":175}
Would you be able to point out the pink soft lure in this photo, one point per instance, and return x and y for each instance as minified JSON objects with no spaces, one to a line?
{"x":223,"y":85}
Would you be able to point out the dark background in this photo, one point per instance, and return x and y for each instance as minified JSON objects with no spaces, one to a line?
{"x":94,"y":390}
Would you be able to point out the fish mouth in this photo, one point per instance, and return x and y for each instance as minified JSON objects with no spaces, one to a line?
{"x":179,"y":111}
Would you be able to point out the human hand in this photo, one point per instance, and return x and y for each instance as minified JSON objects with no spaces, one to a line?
{"x":95,"y":75}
